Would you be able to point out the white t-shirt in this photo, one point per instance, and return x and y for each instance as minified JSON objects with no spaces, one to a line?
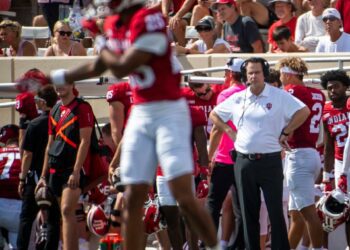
{"x":341,"y":45}
{"x":259,"y":119}
{"x":202,"y":47}
{"x":308,"y":31}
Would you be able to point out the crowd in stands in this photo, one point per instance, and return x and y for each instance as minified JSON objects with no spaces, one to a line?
{"x":247,"y":26}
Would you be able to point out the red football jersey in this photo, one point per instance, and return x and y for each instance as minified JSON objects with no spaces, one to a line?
{"x":121,"y":92}
{"x":10,"y":167}
{"x":337,"y":123}
{"x":198,"y":119}
{"x":307,"y":134}
{"x":207,"y":106}
{"x":160,"y":79}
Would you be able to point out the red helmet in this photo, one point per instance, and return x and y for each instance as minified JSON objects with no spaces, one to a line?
{"x":152,"y":216}
{"x":202,"y":189}
{"x":8,"y":132}
{"x":25,"y":104}
{"x":333,"y":209}
{"x":44,"y":197}
{"x":97,"y":221}
{"x":31,"y":81}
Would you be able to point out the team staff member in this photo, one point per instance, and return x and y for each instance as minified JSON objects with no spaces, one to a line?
{"x":34,"y":143}
{"x":70,"y":130}
{"x":263,"y":126}
{"x":222,"y":174}
{"x":303,"y":163}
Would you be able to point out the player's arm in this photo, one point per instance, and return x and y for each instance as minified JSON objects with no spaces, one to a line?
{"x":85,"y":71}
{"x":346,"y":156}
{"x":123,"y":65}
{"x":115,"y":161}
{"x":83,"y":149}
{"x":214,"y":140}
{"x":328,"y":158}
{"x":223,"y":126}
{"x":116,"y":118}
{"x":25,"y":164}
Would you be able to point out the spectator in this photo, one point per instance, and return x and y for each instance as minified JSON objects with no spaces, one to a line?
{"x":62,"y":43}
{"x":208,"y":43}
{"x":335,"y":40}
{"x":10,"y":34}
{"x":263,"y":125}
{"x":10,"y":166}
{"x":236,"y":27}
{"x":34,"y":144}
{"x":343,"y":6}
{"x":179,"y":17}
{"x":263,"y":16}
{"x":284,"y":11}
{"x":201,"y":10}
{"x":310,"y":26}
{"x":281,"y":35}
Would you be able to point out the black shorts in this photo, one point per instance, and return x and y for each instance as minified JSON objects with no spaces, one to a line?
{"x":58,"y":180}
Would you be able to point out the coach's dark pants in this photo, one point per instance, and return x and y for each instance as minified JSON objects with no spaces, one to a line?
{"x":222,"y":179}
{"x":267,"y":174}
{"x":28,"y":214}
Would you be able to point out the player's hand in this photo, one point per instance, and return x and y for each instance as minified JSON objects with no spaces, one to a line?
{"x":111,"y":170}
{"x":41,"y":183}
{"x":343,"y":183}
{"x":203,"y":172}
{"x":328,"y":187}
{"x":73,"y":180}
{"x":231,"y":133}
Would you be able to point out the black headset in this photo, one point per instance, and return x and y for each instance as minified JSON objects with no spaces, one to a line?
{"x":262,"y":61}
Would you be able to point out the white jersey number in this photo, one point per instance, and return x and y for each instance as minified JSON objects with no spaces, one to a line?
{"x":342,"y":134}
{"x":316,"y":118}
{"x":143,"y":77}
{"x":154,"y":22}
{"x":11,"y":157}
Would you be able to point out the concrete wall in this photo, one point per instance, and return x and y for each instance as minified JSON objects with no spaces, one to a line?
{"x":13,"y":68}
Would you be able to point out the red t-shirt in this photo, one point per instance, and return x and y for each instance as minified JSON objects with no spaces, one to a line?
{"x":158,"y":80}
{"x":198,"y":119}
{"x":337,"y":123}
{"x":10,"y":167}
{"x":291,"y":24}
{"x":343,"y":6}
{"x":207,"y":106}
{"x":85,"y":116}
{"x":307,"y":134}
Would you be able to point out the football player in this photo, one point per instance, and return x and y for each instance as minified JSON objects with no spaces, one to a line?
{"x":303,"y":162}
{"x":158,"y":128}
{"x":10,"y":167}
{"x":336,"y":125}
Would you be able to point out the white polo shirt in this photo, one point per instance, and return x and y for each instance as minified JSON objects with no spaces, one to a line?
{"x":259,"y":119}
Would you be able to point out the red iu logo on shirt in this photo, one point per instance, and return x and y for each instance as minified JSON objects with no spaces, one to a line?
{"x":269,"y":106}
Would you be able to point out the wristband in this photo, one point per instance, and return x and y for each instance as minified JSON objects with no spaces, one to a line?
{"x":43,"y":178}
{"x":284,"y":133}
{"x":327,"y":176}
{"x":58,"y":77}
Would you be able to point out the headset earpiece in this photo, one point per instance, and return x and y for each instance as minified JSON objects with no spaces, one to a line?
{"x":264,"y":63}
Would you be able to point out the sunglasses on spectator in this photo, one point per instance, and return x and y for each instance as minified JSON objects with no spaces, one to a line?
{"x":63,"y":33}
{"x":205,"y":29}
{"x":330,"y":18}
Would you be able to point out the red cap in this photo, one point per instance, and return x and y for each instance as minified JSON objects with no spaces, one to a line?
{"x":232,"y":2}
{"x":25,"y":104}
{"x":31,"y":81}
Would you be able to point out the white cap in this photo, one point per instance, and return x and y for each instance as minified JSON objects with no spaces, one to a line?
{"x":234,"y":64}
{"x":331,"y":12}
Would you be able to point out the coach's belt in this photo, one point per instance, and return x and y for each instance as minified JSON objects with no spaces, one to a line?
{"x":259,"y":156}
